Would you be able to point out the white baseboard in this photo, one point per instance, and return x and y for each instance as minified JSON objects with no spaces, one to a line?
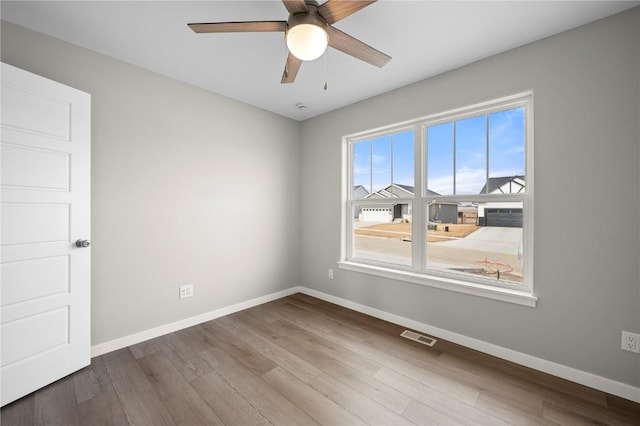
{"x":613,"y":387}
{"x":132,"y":339}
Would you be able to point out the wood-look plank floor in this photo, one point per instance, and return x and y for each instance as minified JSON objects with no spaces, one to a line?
{"x":303,"y":361}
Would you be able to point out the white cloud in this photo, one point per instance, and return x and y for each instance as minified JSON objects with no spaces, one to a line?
{"x":506,"y":172}
{"x":470,"y":181}
{"x":497,"y":129}
{"x":359,"y":169}
{"x":377,"y":159}
{"x":442,"y":184}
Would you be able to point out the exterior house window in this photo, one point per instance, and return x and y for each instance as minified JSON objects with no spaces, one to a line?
{"x":446,"y":200}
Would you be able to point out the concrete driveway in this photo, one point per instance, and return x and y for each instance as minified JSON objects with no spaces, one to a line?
{"x":490,"y":239}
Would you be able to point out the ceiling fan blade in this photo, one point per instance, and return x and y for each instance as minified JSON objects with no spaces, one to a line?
{"x":336,"y":10}
{"x":239,"y":27}
{"x":295,"y":6}
{"x":290,"y":69}
{"x":354,"y":47}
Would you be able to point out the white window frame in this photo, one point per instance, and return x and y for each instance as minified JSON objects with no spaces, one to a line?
{"x":418,"y":273}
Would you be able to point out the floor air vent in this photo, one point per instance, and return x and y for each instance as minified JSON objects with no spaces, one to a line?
{"x":429,"y":341}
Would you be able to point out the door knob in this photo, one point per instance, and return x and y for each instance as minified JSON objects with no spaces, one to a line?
{"x":83,"y":243}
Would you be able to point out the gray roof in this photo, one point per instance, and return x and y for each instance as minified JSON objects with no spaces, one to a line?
{"x":385,"y":192}
{"x":496,"y":182}
{"x":405,"y":187}
{"x":356,"y":187}
{"x":430,"y":193}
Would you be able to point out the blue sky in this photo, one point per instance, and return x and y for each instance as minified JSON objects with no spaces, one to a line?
{"x":380,"y":161}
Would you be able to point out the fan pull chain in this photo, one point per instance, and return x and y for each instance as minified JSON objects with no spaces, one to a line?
{"x":325,"y":70}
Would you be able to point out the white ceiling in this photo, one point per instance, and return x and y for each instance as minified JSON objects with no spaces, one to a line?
{"x":424,"y":38}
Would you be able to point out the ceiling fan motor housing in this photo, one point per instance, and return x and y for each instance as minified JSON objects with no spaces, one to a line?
{"x":306,"y":34}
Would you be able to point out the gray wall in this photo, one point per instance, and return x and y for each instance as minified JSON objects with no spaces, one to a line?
{"x":188,"y":187}
{"x":587,"y":109}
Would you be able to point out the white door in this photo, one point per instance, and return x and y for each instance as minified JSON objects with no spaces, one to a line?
{"x":45,"y":331}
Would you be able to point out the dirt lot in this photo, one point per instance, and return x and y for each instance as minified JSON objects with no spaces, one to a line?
{"x":403,"y":231}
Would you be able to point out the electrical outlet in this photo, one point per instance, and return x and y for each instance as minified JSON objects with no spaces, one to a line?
{"x":330,"y":274}
{"x":186,"y":291}
{"x":631,"y":342}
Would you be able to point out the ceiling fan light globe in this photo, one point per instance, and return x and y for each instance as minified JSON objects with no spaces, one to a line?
{"x":307,"y":41}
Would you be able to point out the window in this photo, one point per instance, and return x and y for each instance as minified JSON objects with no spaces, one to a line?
{"x":382,"y":194}
{"x":446,"y":201}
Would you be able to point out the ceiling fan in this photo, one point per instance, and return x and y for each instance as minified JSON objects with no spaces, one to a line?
{"x":308,"y":31}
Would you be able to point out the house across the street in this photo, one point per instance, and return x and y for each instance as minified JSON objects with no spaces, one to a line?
{"x":484,"y":214}
{"x":440,"y":212}
{"x":508,"y":215}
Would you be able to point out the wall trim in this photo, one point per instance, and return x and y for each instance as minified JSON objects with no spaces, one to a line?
{"x":132,"y":339}
{"x":591,"y":380}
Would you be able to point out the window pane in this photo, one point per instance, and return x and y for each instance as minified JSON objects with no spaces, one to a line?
{"x":382,"y":233}
{"x":440,"y":159}
{"x":381,"y":161}
{"x":403,"y":160}
{"x":361,"y":169}
{"x":491,"y":247}
{"x":471,"y":155}
{"x":506,"y":143}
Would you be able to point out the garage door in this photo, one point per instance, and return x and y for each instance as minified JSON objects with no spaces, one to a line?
{"x":507,"y":218}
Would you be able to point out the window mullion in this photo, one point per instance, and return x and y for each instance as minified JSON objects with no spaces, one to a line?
{"x":486,"y":144}
{"x":392,"y":180}
{"x":454,"y":159}
{"x":371,"y":166}
{"x":348,"y":195}
{"x":419,"y":226}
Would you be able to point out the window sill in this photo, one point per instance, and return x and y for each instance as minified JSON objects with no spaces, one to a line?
{"x":505,"y":295}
